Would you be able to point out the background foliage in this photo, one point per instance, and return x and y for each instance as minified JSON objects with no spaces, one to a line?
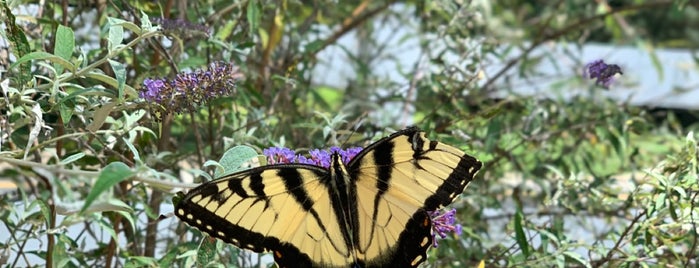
{"x":583,"y":181}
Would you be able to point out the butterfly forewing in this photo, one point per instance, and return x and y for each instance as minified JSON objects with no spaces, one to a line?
{"x":399,"y":179}
{"x":265,"y":209}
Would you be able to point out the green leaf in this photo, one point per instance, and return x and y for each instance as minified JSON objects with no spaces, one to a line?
{"x":673,"y":211}
{"x":112,"y":174}
{"x":146,"y":25}
{"x":44,"y":56}
{"x":134,"y":151}
{"x":659,"y":202}
{"x":314,"y":46}
{"x":115,"y":36}
{"x":236,"y":159}
{"x":560,"y":260}
{"x":65,"y":111}
{"x":72,"y":158}
{"x":198,"y":172}
{"x":19,"y":44}
{"x":253,"y":16}
{"x":174,"y":253}
{"x":577,"y":258}
{"x":60,"y":256}
{"x":519,"y":234}
{"x":550,"y":238}
{"x":209,"y":163}
{"x":224,"y":32}
{"x":112,"y":82}
{"x":207,"y":251}
{"x":120,"y":74}
{"x":140,"y":261}
{"x":125,"y":24}
{"x":65,"y":44}
{"x":44,"y":208}
{"x":107,"y":227}
{"x":679,"y":190}
{"x":100,"y":115}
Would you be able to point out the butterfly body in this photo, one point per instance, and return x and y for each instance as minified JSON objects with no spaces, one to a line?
{"x":372,"y":212}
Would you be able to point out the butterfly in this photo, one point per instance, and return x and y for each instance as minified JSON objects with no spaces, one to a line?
{"x":370,"y":212}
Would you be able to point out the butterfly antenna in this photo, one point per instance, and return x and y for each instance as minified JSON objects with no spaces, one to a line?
{"x":356,"y":124}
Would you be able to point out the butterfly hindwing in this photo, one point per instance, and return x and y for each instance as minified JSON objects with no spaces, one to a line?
{"x":372,"y":212}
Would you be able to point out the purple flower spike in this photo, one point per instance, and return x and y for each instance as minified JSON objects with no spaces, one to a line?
{"x":321,"y":158}
{"x":187,"y":91}
{"x":604,"y":73}
{"x":442,"y":223}
{"x":152,"y":90}
{"x":279,"y":155}
{"x":349,"y":153}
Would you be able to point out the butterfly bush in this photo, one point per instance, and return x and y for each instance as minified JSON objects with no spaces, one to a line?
{"x":282,"y":155}
{"x":188,"y":90}
{"x":442,"y":222}
{"x":604,"y":73}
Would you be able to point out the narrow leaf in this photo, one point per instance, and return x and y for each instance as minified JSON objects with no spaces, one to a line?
{"x":65,"y":111}
{"x":19,"y":44}
{"x":659,"y":203}
{"x":112,"y":82}
{"x":44,"y":56}
{"x":253,"y":16}
{"x":65,"y":43}
{"x":112,"y":174}
{"x":44,"y":209}
{"x":60,"y":256}
{"x":36,"y":128}
{"x":100,"y":115}
{"x":577,"y":258}
{"x":519,"y":234}
{"x":115,"y":36}
{"x":72,"y":158}
{"x":120,"y":74}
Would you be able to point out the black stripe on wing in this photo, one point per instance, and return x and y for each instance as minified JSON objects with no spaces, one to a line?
{"x":454,"y":185}
{"x":199,"y":215}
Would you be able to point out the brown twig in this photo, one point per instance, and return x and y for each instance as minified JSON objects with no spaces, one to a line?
{"x":626,"y":231}
{"x":350,"y":24}
{"x":693,"y":249}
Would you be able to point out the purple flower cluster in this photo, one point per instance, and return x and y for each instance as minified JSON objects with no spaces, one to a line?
{"x":281,"y":155}
{"x":442,"y":223}
{"x":180,"y":27}
{"x":604,"y":73}
{"x":189,"y":90}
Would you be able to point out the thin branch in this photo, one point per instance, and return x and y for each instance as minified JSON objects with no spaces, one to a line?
{"x":349,"y":24}
{"x":628,"y":229}
{"x":693,"y":249}
{"x":579,"y":24}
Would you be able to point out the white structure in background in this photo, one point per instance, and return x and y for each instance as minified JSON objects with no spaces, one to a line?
{"x":671,"y":83}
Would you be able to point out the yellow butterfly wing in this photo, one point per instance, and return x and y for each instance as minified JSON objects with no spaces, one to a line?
{"x":398,"y":180}
{"x":370,"y":213}
{"x":280,"y":208}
